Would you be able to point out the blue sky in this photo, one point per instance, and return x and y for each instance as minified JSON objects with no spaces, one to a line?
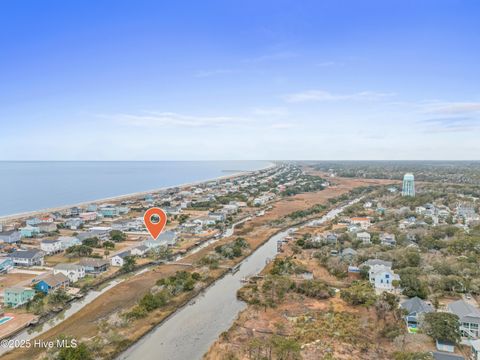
{"x":193,"y":80}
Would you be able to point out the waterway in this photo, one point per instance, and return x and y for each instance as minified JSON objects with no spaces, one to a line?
{"x":189,"y":332}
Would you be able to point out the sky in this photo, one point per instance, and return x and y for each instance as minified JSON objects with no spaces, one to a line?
{"x":239,"y":79}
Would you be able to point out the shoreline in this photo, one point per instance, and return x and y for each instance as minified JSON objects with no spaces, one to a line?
{"x":20,"y":216}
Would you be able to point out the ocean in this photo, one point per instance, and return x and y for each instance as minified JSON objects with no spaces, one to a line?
{"x":35,"y":185}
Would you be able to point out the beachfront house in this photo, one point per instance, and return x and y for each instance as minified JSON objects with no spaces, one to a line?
{"x":51,"y":246}
{"x":29,"y":231}
{"x":6,"y":264}
{"x":415,"y":309}
{"x":469,"y":316}
{"x":108,"y":211}
{"x":17,"y":296}
{"x":74,"y":272}
{"x":380,"y":274}
{"x":33,"y":221}
{"x":94,"y":266}
{"x":51,"y":282}
{"x":27,"y":257}
{"x":119,"y":259}
{"x":68,"y":241}
{"x":10,"y":237}
{"x":446,"y":356}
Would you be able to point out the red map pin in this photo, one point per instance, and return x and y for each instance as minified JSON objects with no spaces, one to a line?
{"x":156,"y":226}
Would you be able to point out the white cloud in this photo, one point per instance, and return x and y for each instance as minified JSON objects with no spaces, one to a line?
{"x":282,"y":126}
{"x":155,"y":119}
{"x":451,"y":108}
{"x":322,"y":95}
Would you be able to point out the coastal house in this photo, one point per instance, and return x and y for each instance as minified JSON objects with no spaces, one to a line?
{"x":94,"y":266}
{"x":47,"y":227}
{"x":119,"y":259}
{"x":74,"y":223}
{"x":415,"y":308}
{"x":380,"y":274}
{"x":10,"y":236}
{"x":140,"y":250}
{"x":51,"y":246}
{"x":88,"y":216}
{"x":475,"y":349}
{"x":388,"y":239}
{"x":29,"y":231}
{"x":92,"y":208}
{"x":348,"y":254}
{"x":17,"y":296}
{"x":6,"y":264}
{"x":68,"y":241}
{"x":108,"y":211}
{"x":101,"y":234}
{"x":363,"y":222}
{"x":51,"y":282}
{"x":33,"y":221}
{"x":166,"y":238}
{"x":364,"y":237}
{"x":469,"y":316}
{"x":27,"y":257}
{"x":74,"y":272}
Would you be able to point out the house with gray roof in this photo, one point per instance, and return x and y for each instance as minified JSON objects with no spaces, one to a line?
{"x":27,"y":257}
{"x":415,"y":309}
{"x":10,"y":237}
{"x":446,"y":356}
{"x":469,"y":316}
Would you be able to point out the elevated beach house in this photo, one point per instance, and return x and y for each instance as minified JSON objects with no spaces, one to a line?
{"x":17,"y":296}
{"x":51,"y":282}
{"x":469,"y":316}
{"x":10,"y":237}
{"x":74,"y":272}
{"x":27,"y":257}
{"x":94,"y":266}
{"x":51,"y":246}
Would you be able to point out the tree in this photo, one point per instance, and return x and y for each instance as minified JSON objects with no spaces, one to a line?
{"x":413,"y":286}
{"x":79,"y":251}
{"x":58,"y":297}
{"x":117,"y":235}
{"x":92,"y":242}
{"x":359,"y":293}
{"x":109,"y":245}
{"x":442,"y":326}
{"x":128,"y":264}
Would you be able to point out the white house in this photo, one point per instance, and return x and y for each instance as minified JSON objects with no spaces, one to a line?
{"x":140,"y":250}
{"x":74,"y":272}
{"x":51,"y":246}
{"x":118,"y":259}
{"x":68,"y":241}
{"x":381,"y":274}
{"x":364,"y":237}
{"x":363,"y":222}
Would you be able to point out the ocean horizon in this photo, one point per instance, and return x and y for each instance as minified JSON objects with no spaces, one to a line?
{"x":27,"y":186}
